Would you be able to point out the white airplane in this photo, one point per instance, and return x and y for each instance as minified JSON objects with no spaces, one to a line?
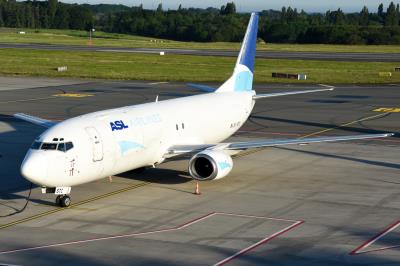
{"x":105,"y":143}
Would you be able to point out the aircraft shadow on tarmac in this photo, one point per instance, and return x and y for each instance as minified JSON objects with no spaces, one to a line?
{"x":364,"y":161}
{"x":159,"y":176}
{"x":324,"y":125}
{"x":13,"y":145}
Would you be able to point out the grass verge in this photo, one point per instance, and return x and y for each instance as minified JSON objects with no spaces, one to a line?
{"x":105,"y":65}
{"x":75,"y":37}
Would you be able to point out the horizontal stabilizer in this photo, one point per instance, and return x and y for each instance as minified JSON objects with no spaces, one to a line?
{"x":260,"y":96}
{"x":35,"y":120}
{"x":201,"y":87}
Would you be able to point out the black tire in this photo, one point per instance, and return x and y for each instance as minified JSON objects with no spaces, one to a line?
{"x":58,"y":200}
{"x":65,"y":201}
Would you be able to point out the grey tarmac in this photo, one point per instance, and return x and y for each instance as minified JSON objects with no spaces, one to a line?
{"x":297,"y":205}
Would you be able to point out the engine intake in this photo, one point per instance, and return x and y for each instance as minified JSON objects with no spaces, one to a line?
{"x":210,"y":165}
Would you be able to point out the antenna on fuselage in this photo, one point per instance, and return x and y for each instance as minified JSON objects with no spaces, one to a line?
{"x":157,"y":99}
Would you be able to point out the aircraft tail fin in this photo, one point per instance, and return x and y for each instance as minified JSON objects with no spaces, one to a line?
{"x":242,"y":77}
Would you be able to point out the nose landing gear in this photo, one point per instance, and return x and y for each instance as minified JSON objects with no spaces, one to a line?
{"x":63,"y":200}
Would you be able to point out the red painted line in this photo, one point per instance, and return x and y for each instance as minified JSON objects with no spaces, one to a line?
{"x":375,"y":238}
{"x":377,"y":250}
{"x":110,"y":237}
{"x":257,"y":217}
{"x":179,"y":227}
{"x":259,"y":243}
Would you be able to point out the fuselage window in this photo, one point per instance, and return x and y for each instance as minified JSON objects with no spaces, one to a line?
{"x":36,"y":145}
{"x":183,"y":126}
{"x":49,"y":146}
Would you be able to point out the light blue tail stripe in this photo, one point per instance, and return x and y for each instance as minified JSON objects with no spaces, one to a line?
{"x":243,"y":81}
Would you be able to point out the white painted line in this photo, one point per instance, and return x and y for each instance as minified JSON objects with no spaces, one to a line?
{"x":158,"y":83}
{"x":326,"y":86}
{"x":128,"y":51}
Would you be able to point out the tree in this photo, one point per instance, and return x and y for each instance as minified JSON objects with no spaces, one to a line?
{"x":61,"y":19}
{"x":29,"y":18}
{"x":52,"y":9}
{"x":80,"y":18}
{"x":159,"y":8}
{"x":381,"y":15}
{"x":391,"y":18}
{"x":44,"y":18}
{"x":229,"y":9}
{"x":1,"y":15}
{"x":398,"y":13}
{"x":364,"y":17}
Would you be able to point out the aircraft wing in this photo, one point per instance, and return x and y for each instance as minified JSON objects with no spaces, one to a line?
{"x":281,"y":142}
{"x":181,"y":149}
{"x":35,"y":120}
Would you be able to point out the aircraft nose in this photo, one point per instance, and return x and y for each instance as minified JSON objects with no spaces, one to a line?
{"x":34,"y":168}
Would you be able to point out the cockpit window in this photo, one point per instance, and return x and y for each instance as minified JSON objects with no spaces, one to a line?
{"x":62,"y":146}
{"x":36,"y":145}
{"x":49,"y":146}
{"x":68,"y":146}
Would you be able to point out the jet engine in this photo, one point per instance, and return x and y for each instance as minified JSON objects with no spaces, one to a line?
{"x":210,"y":165}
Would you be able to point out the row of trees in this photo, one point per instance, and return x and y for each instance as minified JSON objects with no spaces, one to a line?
{"x":225,"y":24}
{"x":44,"y":14}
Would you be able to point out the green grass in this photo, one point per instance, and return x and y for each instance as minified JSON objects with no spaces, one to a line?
{"x":183,"y":68}
{"x":74,"y":37}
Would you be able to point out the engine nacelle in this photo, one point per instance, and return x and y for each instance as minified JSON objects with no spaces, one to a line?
{"x":210,"y":165}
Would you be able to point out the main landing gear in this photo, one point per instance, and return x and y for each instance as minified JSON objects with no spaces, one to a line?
{"x":63,"y":200}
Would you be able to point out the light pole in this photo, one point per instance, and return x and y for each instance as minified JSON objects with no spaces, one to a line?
{"x":91,"y":31}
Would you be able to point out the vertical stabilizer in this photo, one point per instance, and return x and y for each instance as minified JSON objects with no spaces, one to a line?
{"x":242,"y":77}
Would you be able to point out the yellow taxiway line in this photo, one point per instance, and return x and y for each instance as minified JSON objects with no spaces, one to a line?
{"x":36,"y":216}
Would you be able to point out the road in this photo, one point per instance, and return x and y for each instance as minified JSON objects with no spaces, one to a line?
{"x":327,"y":56}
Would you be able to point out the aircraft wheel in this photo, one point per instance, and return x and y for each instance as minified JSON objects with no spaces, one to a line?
{"x":65,"y":201}
{"x":58,"y":200}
